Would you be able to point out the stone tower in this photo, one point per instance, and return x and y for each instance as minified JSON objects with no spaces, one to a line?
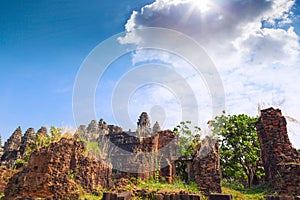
{"x":28,"y":140}
{"x":12,"y":148}
{"x":92,"y":131}
{"x":156,"y":128}
{"x":143,"y":125}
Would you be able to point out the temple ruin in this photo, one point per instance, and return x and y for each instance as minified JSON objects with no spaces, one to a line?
{"x":280,"y":160}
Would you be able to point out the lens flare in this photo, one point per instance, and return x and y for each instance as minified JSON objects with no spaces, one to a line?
{"x":203,"y":5}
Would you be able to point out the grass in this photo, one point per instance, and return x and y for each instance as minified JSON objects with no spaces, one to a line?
{"x":1,"y":195}
{"x":239,"y":192}
{"x":90,"y":197}
{"x":154,"y":187}
{"x":164,"y":187}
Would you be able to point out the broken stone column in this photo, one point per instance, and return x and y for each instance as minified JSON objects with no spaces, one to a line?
{"x":280,"y":160}
{"x":206,"y":167}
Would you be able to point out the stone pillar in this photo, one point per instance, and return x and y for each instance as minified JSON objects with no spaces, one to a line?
{"x":280,"y":160}
{"x":206,"y":167}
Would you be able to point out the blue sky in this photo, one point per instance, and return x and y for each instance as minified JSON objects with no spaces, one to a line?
{"x":43,"y":44}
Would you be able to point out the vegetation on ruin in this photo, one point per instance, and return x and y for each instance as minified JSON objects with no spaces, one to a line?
{"x":189,"y":137}
{"x":152,"y":187}
{"x":42,"y":140}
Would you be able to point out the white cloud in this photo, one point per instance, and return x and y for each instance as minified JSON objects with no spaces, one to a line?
{"x":252,"y":43}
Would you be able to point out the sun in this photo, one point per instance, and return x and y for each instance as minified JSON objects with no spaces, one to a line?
{"x":203,"y":5}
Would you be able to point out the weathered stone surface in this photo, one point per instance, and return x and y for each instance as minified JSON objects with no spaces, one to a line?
{"x":144,"y":194}
{"x":82,"y":132}
{"x":12,"y":148}
{"x":92,"y":131}
{"x":1,"y":148}
{"x":144,"y":162}
{"x":5,"y":175}
{"x":220,"y":197}
{"x":42,"y":132}
{"x":143,"y":125}
{"x":103,"y":127}
{"x":57,"y":171}
{"x":114,"y":129}
{"x":280,"y":160}
{"x":27,"y":142}
{"x":206,"y":167}
{"x":156,"y":128}
{"x":281,"y":197}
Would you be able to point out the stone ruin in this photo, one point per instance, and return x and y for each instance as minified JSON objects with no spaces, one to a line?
{"x":58,"y":171}
{"x":135,"y":154}
{"x":280,"y":160}
{"x":11,"y":150}
{"x":18,"y":146}
{"x":206,"y":166}
{"x":154,"y":150}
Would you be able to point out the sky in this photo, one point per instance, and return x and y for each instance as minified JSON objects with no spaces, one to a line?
{"x":45,"y":46}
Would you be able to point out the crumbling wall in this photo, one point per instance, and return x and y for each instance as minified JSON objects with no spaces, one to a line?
{"x":206,"y":167}
{"x":142,"y":157}
{"x":280,"y":160}
{"x":57,"y":172}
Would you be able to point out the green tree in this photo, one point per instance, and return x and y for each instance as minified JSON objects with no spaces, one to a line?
{"x":188,"y":138}
{"x":298,"y":151}
{"x":239,"y":147}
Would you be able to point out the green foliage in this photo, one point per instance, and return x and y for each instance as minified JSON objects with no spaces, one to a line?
{"x":42,"y":140}
{"x":71,"y":175}
{"x":162,"y":186}
{"x":239,"y":147}
{"x":20,"y":163}
{"x":93,"y":148}
{"x":298,"y":151}
{"x":189,"y":138}
{"x":55,"y":134}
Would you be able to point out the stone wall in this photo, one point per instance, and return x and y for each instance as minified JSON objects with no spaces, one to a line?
{"x":135,"y":153}
{"x":206,"y":167}
{"x":141,"y":157}
{"x":280,"y":160}
{"x":57,"y":172}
